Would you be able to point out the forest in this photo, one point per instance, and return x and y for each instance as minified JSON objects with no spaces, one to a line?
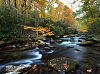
{"x":18,"y":15}
{"x":50,"y":27}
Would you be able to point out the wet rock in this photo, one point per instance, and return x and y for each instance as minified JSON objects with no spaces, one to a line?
{"x":77,"y":49}
{"x":97,"y":45}
{"x":97,"y":40}
{"x":46,"y":48}
{"x":52,"y":46}
{"x":11,"y":69}
{"x":59,"y":41}
{"x":42,"y":69}
{"x":94,"y":39}
{"x":82,"y":37}
{"x":69,"y":46}
{"x":79,"y":40}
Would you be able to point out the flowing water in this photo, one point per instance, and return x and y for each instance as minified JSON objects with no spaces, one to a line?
{"x":67,"y":48}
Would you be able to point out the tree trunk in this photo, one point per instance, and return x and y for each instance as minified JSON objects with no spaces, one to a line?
{"x":15,"y":3}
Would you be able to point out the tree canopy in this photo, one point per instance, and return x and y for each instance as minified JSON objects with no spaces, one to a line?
{"x":59,"y":18}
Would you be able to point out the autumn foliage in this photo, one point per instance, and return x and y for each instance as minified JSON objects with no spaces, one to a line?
{"x":43,"y":30}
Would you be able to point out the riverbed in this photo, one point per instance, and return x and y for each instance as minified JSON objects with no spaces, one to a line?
{"x":69,"y":48}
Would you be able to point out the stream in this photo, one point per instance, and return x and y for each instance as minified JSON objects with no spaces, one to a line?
{"x":67,"y":48}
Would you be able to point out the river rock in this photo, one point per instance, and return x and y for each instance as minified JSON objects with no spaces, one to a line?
{"x":86,"y":43}
{"x":97,"y":40}
{"x":65,"y":36}
{"x":79,"y":40}
{"x":97,"y":45}
{"x":26,"y":45}
{"x":41,"y":69}
{"x":13,"y":46}
{"x":94,"y":39}
{"x":77,"y":49}
{"x":41,"y":42}
{"x":11,"y":69}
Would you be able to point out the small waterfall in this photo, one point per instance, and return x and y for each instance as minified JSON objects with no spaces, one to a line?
{"x":70,"y":41}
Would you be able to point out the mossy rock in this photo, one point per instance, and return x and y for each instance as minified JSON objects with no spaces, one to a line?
{"x":89,"y":39}
{"x":97,"y":45}
{"x":97,"y":40}
{"x":86,"y":43}
{"x":58,"y":63}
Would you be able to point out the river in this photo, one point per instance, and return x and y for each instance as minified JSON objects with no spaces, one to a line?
{"x":67,"y":48}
